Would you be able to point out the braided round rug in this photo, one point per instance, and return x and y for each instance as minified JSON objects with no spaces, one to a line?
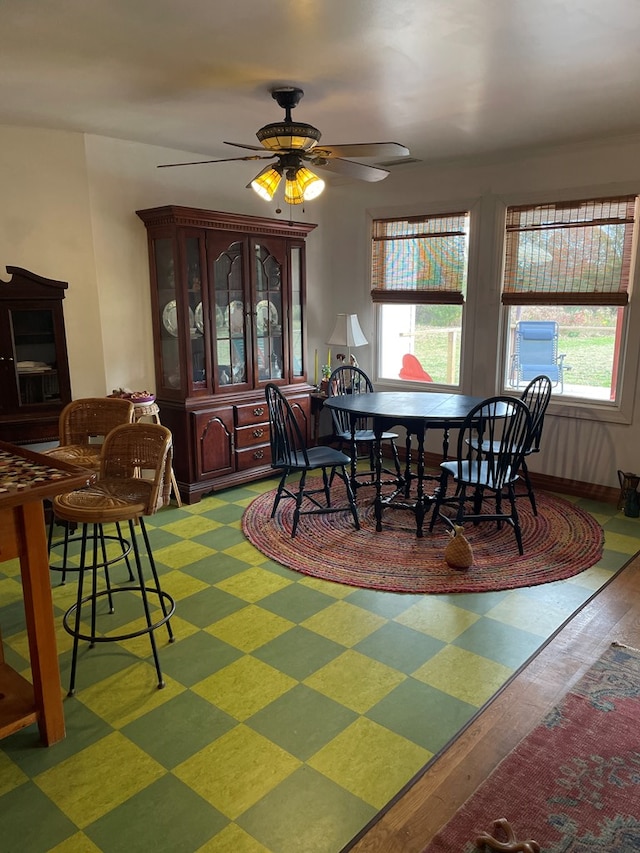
{"x":560,"y":542}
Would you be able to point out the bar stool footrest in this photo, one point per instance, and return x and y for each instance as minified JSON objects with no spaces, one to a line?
{"x":170,"y":605}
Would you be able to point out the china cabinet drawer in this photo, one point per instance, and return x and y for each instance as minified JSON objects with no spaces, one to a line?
{"x":253,"y":457}
{"x":251,"y":413}
{"x":250,"y":436}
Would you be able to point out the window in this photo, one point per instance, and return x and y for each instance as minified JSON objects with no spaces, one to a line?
{"x":419,"y":281}
{"x":565,"y":288}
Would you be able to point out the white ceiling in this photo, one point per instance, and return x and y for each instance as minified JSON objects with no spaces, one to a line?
{"x":447,"y":78}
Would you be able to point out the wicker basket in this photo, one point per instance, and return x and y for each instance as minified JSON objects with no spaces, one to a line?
{"x":458,"y":553}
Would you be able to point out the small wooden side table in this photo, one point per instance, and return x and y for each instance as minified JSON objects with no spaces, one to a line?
{"x":317,"y":402}
{"x":152,"y":411}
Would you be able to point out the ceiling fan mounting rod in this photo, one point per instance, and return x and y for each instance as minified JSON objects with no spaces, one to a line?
{"x":287,"y":98}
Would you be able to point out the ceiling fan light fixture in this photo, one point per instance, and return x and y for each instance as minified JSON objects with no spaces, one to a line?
{"x":310,"y":184}
{"x":288,"y":136}
{"x":266,"y":182}
{"x":292,"y":189}
{"x":301,"y":185}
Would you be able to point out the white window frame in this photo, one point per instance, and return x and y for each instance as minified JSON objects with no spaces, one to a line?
{"x":620,"y":410}
{"x":432,"y":209}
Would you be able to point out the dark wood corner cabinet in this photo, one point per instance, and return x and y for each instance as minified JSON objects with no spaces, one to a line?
{"x":34,"y":367}
{"x":228,"y":305}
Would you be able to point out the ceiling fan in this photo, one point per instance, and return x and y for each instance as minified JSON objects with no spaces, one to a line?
{"x":294,"y":144}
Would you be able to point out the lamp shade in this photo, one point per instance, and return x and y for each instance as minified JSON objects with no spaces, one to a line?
{"x":347,"y":332}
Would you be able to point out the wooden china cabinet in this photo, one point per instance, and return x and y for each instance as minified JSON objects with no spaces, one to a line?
{"x":34,"y":367}
{"x":228,"y":305}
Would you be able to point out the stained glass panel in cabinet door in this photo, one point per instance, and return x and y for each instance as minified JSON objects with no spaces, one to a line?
{"x":230,"y":312}
{"x":168,"y":308}
{"x":192,"y":249}
{"x":34,"y":343}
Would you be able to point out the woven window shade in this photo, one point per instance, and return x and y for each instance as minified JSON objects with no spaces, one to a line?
{"x":420,"y":260}
{"x":569,"y":253}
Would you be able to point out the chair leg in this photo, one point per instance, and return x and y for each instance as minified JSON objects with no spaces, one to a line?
{"x":407,"y":469}
{"x":145,"y":603}
{"x":105,"y":563}
{"x":341,"y":472}
{"x":396,"y":461}
{"x":124,"y":546}
{"x":156,"y":579}
{"x":326,"y":483}
{"x":527,"y":481}
{"x":279,"y":493}
{"x":440,"y":495}
{"x":462,"y":498}
{"x":76,"y":630}
{"x":299,"y":498}
{"x":515,"y":518}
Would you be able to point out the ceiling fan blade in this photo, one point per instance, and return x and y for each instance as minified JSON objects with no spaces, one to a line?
{"x":350,"y":169}
{"x":250,"y":147}
{"x":365,"y":149}
{"x":224,"y":160}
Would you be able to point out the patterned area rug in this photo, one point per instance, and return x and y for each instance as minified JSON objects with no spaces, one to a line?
{"x":573,"y":784}
{"x":561,"y":541}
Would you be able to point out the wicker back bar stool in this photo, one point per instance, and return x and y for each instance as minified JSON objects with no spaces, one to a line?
{"x":82,"y":428}
{"x":134,"y":482}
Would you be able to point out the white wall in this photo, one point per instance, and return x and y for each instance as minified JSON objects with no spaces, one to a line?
{"x":45,"y":227}
{"x":68,"y":212}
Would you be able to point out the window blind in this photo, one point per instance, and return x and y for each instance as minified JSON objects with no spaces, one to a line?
{"x":569,"y":253}
{"x":420,"y":260}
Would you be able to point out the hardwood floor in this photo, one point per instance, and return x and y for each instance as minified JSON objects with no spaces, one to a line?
{"x":611,"y":615}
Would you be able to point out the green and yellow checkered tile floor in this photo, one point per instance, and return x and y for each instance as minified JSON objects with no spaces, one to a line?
{"x":294,"y":708}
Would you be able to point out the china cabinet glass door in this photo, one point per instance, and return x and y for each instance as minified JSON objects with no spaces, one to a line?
{"x":297,"y":342}
{"x":193,"y":247}
{"x":229,"y":308}
{"x":35,"y":359}
{"x":168,"y":307}
{"x":268,"y":314}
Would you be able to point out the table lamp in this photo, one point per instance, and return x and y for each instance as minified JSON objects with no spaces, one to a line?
{"x":347,"y":333}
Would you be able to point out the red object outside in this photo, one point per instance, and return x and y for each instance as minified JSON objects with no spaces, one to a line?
{"x":412,"y":369}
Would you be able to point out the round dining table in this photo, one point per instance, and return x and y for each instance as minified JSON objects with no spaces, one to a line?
{"x":417,"y":412}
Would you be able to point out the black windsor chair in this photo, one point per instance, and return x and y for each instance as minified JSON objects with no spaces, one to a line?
{"x":491,"y":446}
{"x":348,"y":379}
{"x":536,"y":396}
{"x":290,"y":454}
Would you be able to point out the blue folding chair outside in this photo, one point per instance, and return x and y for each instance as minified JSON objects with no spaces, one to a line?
{"x":535,"y":352}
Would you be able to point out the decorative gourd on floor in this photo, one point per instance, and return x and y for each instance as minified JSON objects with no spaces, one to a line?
{"x":458,"y":554}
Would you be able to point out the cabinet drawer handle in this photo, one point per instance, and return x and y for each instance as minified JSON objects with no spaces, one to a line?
{"x":259,"y":454}
{"x":258,"y":411}
{"x":258,"y":433}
